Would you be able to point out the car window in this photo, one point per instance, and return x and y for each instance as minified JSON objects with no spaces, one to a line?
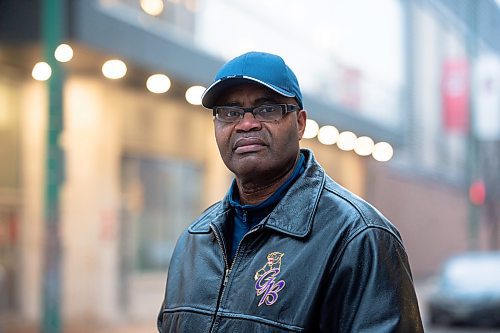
{"x":474,"y":273}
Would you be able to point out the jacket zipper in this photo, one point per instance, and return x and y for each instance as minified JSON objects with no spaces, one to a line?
{"x":227,"y":270}
{"x":227,"y":267}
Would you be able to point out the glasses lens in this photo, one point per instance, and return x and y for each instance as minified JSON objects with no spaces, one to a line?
{"x":268,"y":112}
{"x":228,"y":114}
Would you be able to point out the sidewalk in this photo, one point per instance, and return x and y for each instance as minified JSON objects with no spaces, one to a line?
{"x":88,"y":328}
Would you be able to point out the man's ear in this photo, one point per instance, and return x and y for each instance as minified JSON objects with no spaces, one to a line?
{"x":301,"y":122}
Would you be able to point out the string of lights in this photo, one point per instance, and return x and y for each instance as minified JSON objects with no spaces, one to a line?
{"x":115,"y":69}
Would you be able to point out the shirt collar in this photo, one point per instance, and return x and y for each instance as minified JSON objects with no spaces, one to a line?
{"x":234,"y":199}
{"x":294,"y":213}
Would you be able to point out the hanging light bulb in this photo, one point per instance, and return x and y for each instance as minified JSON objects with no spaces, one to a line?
{"x":363,"y":146}
{"x":311,"y":129}
{"x":158,"y":83}
{"x":114,"y":69}
{"x":382,"y":152}
{"x":63,"y":53}
{"x":193,"y":95}
{"x":328,"y":135}
{"x":346,"y":140}
{"x":152,"y":7}
{"x":41,"y":71}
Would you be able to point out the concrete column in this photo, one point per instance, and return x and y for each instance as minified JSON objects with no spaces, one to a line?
{"x":33,"y":131}
{"x":90,"y":204}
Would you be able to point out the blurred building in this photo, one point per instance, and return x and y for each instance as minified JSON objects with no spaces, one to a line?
{"x":139,"y":165}
{"x":442,"y":180}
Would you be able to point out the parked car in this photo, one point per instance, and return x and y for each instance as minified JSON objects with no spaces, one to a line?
{"x":468,"y":291}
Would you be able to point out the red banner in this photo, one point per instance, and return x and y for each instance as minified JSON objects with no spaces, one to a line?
{"x":455,"y":95}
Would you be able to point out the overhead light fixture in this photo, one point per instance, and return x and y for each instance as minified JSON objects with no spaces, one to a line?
{"x":193,"y":95}
{"x":311,"y":129}
{"x":152,"y":7}
{"x":382,"y":152}
{"x":63,"y":53}
{"x":114,"y":69}
{"x":363,"y":146}
{"x":41,"y":71}
{"x":328,"y":135}
{"x":346,"y":141}
{"x":158,"y":83}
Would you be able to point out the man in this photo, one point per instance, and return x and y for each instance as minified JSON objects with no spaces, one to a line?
{"x":287,"y":249}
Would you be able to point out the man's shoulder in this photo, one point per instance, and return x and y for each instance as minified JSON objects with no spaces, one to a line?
{"x":202,"y":222}
{"x":361,"y":213}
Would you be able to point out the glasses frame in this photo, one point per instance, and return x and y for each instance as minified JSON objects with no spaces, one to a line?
{"x":285,"y":108}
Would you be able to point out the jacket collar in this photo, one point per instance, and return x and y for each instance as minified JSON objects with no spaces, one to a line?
{"x":294,"y":213}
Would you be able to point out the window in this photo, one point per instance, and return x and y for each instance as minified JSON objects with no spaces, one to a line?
{"x":161,"y":197}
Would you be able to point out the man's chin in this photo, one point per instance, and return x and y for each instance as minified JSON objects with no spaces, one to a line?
{"x":249,"y":164}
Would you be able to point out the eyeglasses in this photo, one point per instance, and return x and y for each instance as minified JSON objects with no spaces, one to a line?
{"x":265,"y":113}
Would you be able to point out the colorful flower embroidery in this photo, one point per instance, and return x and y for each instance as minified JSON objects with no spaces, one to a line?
{"x":265,"y":277}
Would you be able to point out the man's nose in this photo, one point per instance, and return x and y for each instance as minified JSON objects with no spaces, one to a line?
{"x":248,"y":123}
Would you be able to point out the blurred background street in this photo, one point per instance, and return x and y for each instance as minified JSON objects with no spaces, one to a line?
{"x":424,"y":288}
{"x":106,"y":154}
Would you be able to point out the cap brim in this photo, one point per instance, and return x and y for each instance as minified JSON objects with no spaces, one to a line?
{"x":212,"y":93}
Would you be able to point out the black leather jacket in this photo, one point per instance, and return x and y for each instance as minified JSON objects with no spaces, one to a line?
{"x":324,"y":260}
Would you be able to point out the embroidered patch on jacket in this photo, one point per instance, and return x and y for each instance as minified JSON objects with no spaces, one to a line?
{"x":266,"y":284}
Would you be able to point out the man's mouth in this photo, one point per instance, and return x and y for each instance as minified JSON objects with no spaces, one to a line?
{"x":248,"y":145}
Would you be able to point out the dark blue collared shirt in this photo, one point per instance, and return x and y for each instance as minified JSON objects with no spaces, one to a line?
{"x":248,"y":216}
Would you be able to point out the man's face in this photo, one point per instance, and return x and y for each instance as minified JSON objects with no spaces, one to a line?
{"x":255,"y":150}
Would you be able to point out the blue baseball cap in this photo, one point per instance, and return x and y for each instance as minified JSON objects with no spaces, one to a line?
{"x":263,"y":68}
